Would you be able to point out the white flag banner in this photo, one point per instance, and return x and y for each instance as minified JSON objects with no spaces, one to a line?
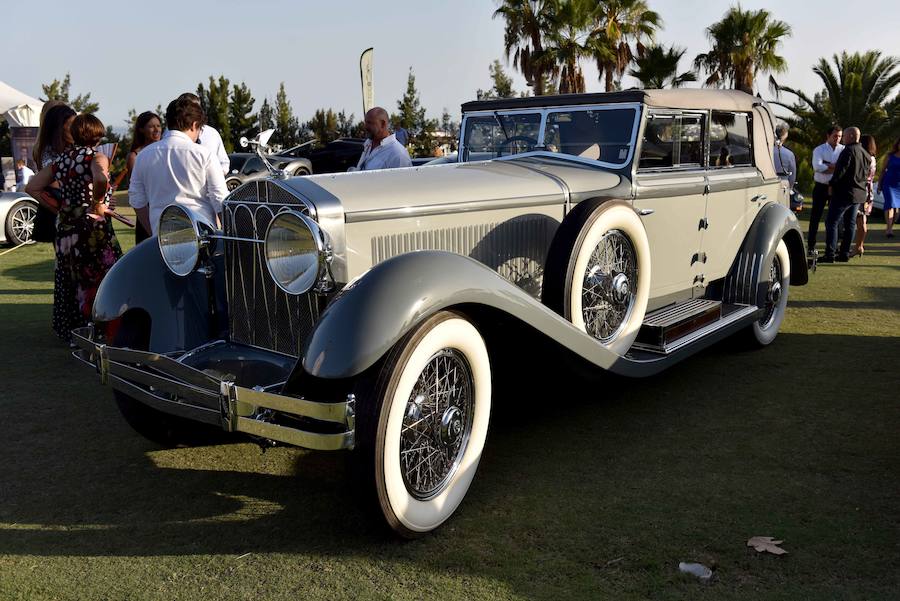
{"x":368,"y":84}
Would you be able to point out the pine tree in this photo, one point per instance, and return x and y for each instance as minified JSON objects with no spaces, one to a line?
{"x":503,"y":84}
{"x":324,"y":125}
{"x":265,"y":118}
{"x":411,"y":116}
{"x":59,"y":90}
{"x":287,"y":127}
{"x":240,"y":118}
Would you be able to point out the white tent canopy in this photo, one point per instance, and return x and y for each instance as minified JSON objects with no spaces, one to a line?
{"x":19,"y":109}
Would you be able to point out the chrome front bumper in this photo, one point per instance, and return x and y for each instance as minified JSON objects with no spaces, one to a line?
{"x":163,"y":382}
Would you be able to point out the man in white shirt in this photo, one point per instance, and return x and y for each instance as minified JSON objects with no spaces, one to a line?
{"x":23,"y":175}
{"x":381,"y":150}
{"x":177,"y":170}
{"x":824,"y":158}
{"x":210,"y":138}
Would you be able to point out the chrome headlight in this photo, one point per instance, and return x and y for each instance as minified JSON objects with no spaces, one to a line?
{"x":179,"y":240}
{"x":296,"y":252}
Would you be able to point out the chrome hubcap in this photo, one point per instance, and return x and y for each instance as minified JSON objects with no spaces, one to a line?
{"x":608,"y":291}
{"x":437,"y":424}
{"x":773,"y":294}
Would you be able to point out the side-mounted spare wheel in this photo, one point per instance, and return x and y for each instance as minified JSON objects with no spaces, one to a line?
{"x":598,"y":272}
{"x":422,"y":420}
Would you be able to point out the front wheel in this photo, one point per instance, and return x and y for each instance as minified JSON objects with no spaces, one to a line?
{"x":232,"y":184}
{"x":776,"y":282}
{"x":422,"y":426}
{"x":20,"y":222}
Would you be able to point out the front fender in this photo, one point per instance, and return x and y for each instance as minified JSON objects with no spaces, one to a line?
{"x":178,"y":307}
{"x":371,"y":314}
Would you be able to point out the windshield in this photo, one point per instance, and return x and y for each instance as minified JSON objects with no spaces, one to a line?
{"x":491,"y":136}
{"x":598,"y":133}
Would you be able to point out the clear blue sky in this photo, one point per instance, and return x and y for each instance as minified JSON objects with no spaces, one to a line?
{"x":129,"y":54}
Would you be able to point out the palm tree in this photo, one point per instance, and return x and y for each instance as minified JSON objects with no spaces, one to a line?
{"x":567,"y":41}
{"x":527,"y":22}
{"x":859,"y":90}
{"x":658,"y":68}
{"x":744,"y":43}
{"x":620,"y":29}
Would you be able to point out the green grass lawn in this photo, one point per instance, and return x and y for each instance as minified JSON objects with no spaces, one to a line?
{"x":593,"y":493}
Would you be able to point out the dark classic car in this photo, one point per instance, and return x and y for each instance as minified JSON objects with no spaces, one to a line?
{"x":369,"y":311}
{"x":334,"y":157}
{"x":248,"y":166}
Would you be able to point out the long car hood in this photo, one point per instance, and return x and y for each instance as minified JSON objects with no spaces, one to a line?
{"x":369,"y":192}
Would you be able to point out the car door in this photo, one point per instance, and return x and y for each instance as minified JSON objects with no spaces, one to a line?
{"x":733,"y":182}
{"x":670,"y":186}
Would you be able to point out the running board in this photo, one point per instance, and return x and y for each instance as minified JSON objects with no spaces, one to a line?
{"x":672,"y":328}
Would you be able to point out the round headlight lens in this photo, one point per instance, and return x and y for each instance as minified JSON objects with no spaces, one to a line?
{"x":179,"y":240}
{"x":294,"y":252}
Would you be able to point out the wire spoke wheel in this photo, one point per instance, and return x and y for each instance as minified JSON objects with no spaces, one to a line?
{"x":609,"y":286}
{"x":437,"y":424}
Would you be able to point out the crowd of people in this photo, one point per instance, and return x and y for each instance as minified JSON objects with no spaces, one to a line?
{"x":844,"y":167}
{"x":185,"y":165}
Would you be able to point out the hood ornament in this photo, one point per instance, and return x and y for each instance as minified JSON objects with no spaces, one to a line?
{"x":261,"y":143}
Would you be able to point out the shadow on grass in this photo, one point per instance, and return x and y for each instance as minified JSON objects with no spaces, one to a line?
{"x":720,"y":447}
{"x":35,"y":272}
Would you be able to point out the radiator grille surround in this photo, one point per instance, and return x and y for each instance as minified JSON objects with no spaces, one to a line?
{"x":260,"y":314}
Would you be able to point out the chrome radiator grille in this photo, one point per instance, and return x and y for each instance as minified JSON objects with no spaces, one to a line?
{"x":259,"y":312}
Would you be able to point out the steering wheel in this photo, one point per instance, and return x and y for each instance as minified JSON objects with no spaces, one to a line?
{"x":508,"y":141}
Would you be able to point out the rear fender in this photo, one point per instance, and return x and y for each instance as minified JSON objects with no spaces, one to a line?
{"x":178,"y":307}
{"x":773,"y":224}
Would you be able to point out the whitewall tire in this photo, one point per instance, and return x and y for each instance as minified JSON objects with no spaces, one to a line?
{"x":430,"y":411}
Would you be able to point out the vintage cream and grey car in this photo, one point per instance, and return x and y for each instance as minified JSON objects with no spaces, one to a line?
{"x":368,"y":310}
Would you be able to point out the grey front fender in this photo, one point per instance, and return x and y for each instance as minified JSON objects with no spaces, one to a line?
{"x":178,"y":307}
{"x":374,"y":312}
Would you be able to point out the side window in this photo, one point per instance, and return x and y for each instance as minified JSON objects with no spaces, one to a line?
{"x":672,"y":141}
{"x":600,"y":135}
{"x":691,"y":138}
{"x":658,"y":147}
{"x":729,"y":140}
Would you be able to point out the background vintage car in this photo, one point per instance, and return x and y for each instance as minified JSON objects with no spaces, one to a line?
{"x":247,"y":166}
{"x":334,"y":157}
{"x":371,"y":310}
{"x":17,"y":213}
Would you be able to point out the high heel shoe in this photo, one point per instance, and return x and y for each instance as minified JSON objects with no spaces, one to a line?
{"x":857,"y":252}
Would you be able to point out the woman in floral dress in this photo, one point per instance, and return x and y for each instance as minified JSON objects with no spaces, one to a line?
{"x":86,"y":246}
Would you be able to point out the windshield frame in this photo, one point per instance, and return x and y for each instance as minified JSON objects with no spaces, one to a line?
{"x":544,"y":114}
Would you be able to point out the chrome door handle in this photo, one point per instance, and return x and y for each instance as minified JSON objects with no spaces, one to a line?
{"x":645,"y":212}
{"x":759,"y":197}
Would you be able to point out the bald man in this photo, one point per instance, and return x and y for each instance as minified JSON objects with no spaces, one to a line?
{"x":381,"y":150}
{"x":848,"y":191}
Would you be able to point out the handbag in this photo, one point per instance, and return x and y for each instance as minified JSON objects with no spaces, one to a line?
{"x":45,"y":220}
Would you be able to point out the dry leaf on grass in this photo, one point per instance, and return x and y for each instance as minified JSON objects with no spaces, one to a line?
{"x":766,"y":543}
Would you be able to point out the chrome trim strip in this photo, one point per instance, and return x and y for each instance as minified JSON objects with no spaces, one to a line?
{"x":133,"y":374}
{"x":449,"y":208}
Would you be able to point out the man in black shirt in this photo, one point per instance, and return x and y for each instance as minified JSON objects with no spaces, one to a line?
{"x":848,"y":190}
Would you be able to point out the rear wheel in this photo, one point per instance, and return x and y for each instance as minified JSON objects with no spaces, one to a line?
{"x":776,"y":280}
{"x":20,"y":222}
{"x":422,"y":425}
